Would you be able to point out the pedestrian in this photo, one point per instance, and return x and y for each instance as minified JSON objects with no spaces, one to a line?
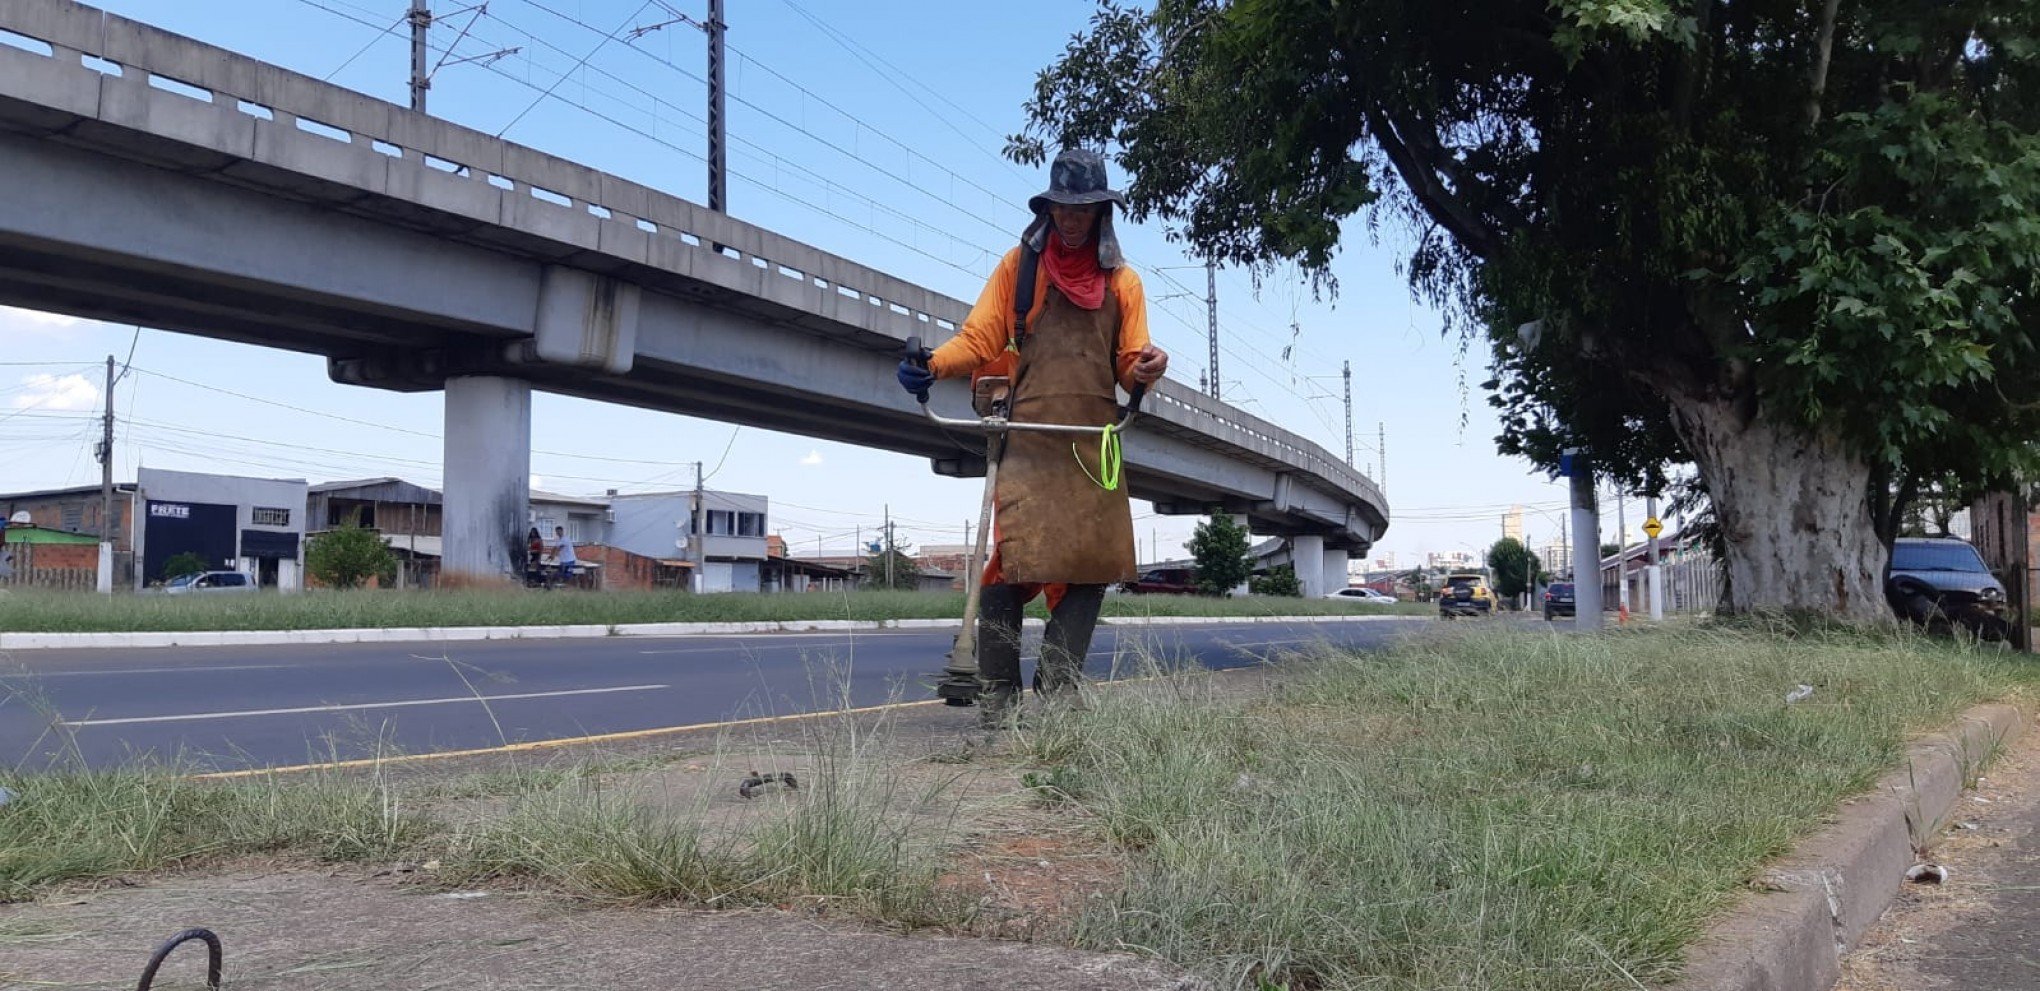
{"x":1057,"y":529}
{"x":534,"y":557}
{"x":564,"y":554}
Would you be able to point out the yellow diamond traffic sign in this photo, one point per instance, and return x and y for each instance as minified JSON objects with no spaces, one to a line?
{"x":1653,"y":527}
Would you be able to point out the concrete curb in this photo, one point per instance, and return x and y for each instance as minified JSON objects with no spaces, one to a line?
{"x":453,"y":634}
{"x":1819,"y":901}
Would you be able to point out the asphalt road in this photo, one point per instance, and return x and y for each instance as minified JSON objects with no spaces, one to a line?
{"x":235,"y":707}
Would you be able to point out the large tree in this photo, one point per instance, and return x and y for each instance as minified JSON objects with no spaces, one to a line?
{"x":1791,"y":244}
{"x":1513,"y":567}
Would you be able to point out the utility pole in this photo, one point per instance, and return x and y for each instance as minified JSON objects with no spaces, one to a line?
{"x":105,"y":579}
{"x":1564,"y":544}
{"x":1381,"y":456}
{"x":421,"y":77}
{"x":700,"y":534}
{"x":1622,"y":545}
{"x":888,"y":546}
{"x":1586,"y":530}
{"x":1211,"y":308}
{"x":1349,"y":414}
{"x":717,"y":146}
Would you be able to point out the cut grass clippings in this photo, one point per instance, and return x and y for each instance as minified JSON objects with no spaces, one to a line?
{"x":1488,"y":810}
{"x":27,"y":611}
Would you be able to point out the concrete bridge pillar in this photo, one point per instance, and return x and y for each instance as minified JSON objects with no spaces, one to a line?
{"x":1241,"y":520}
{"x":1308,"y":555}
{"x":488,"y":480}
{"x":1335,"y":570}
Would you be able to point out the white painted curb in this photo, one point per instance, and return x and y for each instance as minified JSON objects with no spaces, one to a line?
{"x":452,"y":634}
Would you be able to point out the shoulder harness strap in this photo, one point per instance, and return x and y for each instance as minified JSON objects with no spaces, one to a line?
{"x":1023,"y":293}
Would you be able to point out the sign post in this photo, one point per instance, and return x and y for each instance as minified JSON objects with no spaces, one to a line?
{"x":1653,"y":574}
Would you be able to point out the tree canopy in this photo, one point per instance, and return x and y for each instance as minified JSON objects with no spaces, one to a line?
{"x":1789,"y":244}
{"x":1514,"y":567}
{"x":1221,"y":549}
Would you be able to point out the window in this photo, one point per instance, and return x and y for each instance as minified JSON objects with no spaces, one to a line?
{"x":750,"y":524}
{"x":269,"y":516}
{"x":721,"y":522}
{"x":1951,"y":555}
{"x":74,"y":517}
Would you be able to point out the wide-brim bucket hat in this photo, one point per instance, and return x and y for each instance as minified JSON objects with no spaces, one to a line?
{"x":1076,"y":177}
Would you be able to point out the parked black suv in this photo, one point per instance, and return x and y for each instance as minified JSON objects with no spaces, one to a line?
{"x":1941,"y":582}
{"x":1558,"y":600}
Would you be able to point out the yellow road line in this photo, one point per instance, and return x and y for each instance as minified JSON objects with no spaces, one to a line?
{"x":571,"y":741}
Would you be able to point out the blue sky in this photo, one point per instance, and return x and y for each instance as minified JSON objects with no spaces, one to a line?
{"x":870,"y":129}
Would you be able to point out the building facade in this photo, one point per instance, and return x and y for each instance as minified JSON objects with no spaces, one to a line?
{"x":252,"y":525}
{"x":75,"y":510}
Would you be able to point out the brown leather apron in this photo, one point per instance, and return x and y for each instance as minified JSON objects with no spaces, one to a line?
{"x":1055,"y":523}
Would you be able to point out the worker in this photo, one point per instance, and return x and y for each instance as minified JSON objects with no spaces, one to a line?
{"x":1059,"y":529}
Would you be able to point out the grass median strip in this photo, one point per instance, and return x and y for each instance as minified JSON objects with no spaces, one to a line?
{"x":24,"y":611}
{"x":1485,"y":808}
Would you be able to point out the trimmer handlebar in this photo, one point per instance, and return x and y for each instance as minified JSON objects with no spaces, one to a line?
{"x":919,"y":355}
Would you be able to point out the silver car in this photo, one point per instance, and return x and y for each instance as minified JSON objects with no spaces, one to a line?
{"x":209,"y":582}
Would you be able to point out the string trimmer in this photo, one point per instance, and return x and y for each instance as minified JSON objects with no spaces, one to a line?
{"x":991,"y":399}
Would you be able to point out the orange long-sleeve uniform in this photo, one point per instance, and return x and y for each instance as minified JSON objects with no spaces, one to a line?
{"x":980,"y":348}
{"x":980,"y":345}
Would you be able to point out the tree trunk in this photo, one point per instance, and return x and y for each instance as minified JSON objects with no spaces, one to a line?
{"x":1794,"y":509}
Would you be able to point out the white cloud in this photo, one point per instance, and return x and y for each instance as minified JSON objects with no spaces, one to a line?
{"x":814,"y":457}
{"x":45,"y":391}
{"x":36,"y":322}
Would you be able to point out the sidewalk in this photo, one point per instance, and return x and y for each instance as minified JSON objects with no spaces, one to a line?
{"x":311,"y":930}
{"x":1980,"y":930}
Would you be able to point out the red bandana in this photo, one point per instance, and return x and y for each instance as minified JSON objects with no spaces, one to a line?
{"x":1075,"y":271}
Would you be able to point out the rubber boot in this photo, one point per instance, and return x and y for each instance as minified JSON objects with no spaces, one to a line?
{"x":1068,"y":640}
{"x":999,"y":613}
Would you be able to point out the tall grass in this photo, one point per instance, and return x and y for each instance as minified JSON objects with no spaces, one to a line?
{"x":59,"y":612}
{"x":81,"y":826}
{"x":1484,"y":810}
{"x":853,"y":835}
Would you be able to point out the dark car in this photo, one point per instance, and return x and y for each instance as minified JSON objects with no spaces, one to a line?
{"x":1168,"y":581}
{"x":1941,"y":582}
{"x":1558,"y":600}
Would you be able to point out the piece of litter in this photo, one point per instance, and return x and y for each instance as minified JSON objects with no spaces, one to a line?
{"x":1800,"y":694}
{"x":1043,"y":863}
{"x":430,"y":865}
{"x":5,"y":797}
{"x":1965,"y":825}
{"x":1926,"y":873}
{"x":1979,"y":798}
{"x":464,"y":895}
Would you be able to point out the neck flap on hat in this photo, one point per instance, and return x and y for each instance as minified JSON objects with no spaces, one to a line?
{"x":1107,"y":239}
